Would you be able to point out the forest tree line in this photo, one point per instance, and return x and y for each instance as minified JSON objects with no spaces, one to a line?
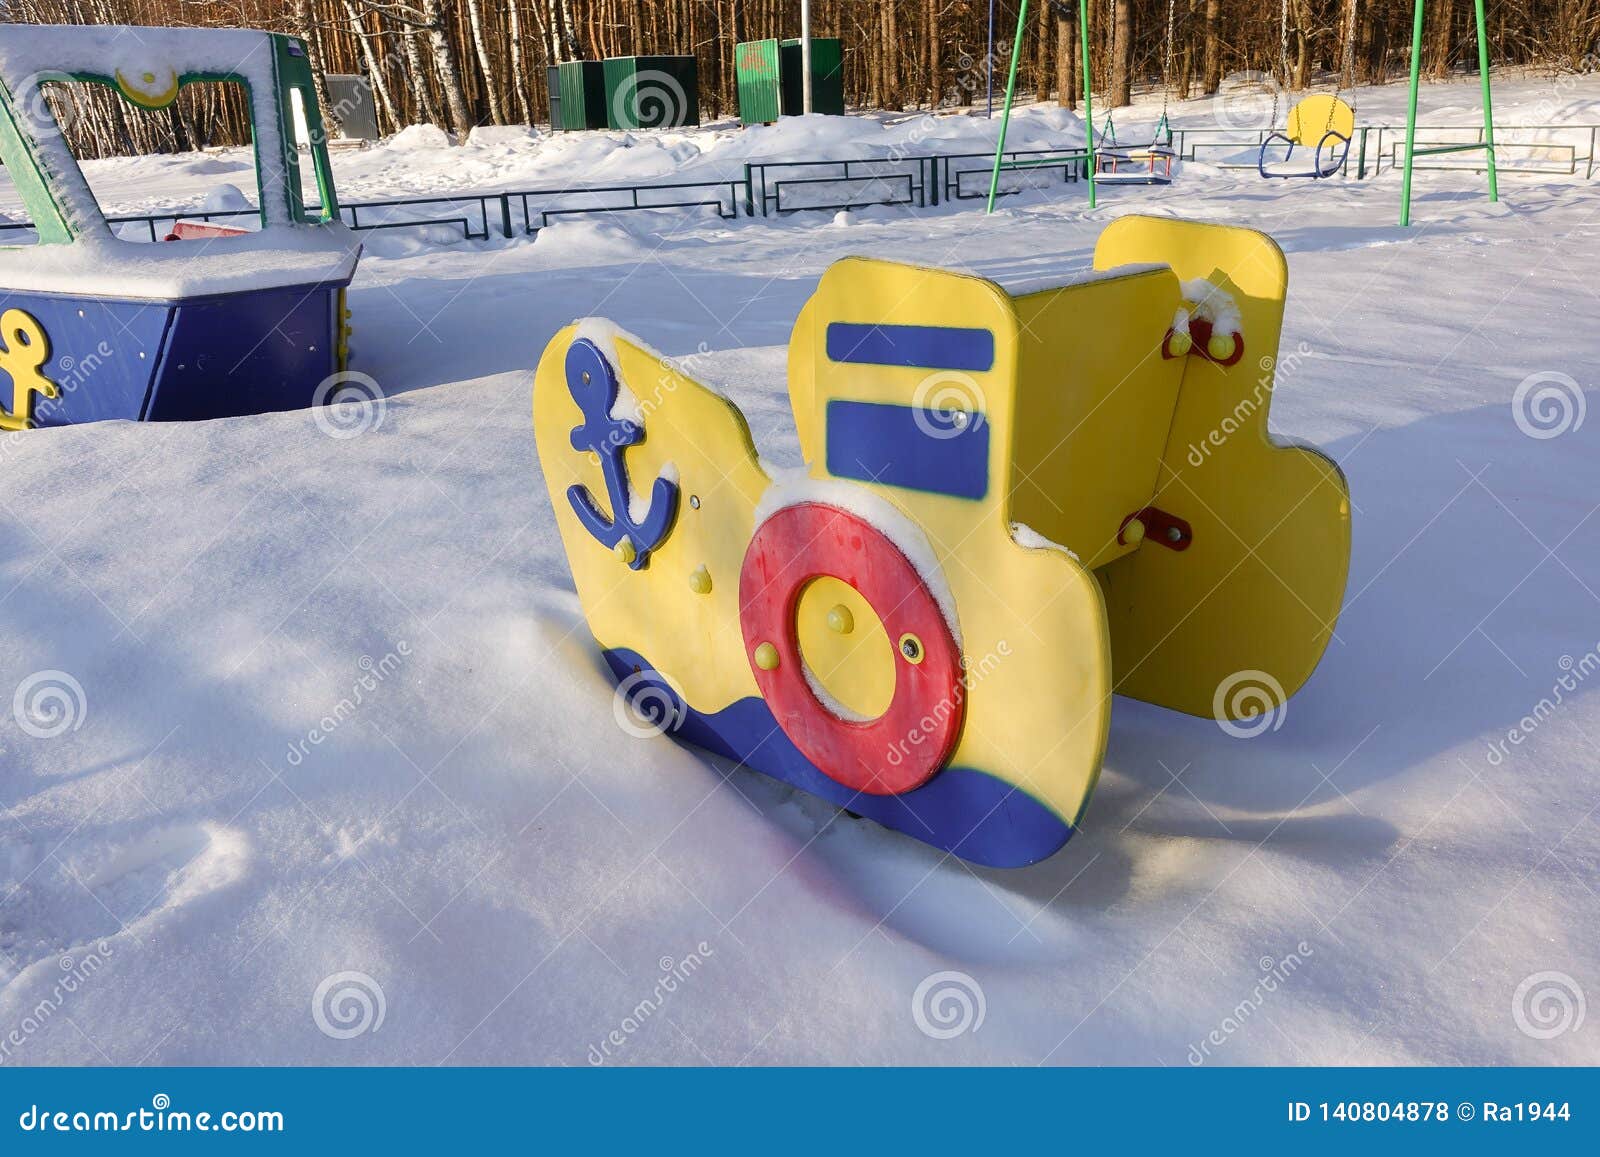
{"x":462,"y":63}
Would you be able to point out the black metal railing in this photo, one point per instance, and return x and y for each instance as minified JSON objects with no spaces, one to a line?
{"x":1073,"y":163}
{"x":863,"y":181}
{"x":771,"y":188}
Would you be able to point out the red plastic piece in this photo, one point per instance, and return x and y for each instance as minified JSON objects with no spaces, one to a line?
{"x":1200,"y":342}
{"x":196,"y":230}
{"x":1159,"y":526}
{"x":912,"y":739}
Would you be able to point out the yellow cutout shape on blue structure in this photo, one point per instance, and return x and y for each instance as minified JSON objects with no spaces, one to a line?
{"x":24,"y":351}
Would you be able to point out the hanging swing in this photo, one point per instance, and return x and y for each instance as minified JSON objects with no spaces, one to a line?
{"x":1322,"y":123}
{"x":1152,"y":164}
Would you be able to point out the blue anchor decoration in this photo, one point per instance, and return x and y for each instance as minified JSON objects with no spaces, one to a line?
{"x":593,"y":384}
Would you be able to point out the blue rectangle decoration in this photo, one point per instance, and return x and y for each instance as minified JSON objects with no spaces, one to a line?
{"x":940,"y":452}
{"x":932,"y":347}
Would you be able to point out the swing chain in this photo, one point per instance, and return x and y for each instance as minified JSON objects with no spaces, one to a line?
{"x":1166,"y":81}
{"x":1347,"y":67}
{"x":1283,"y":57}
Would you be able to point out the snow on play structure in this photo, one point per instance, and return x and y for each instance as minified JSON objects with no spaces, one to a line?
{"x":1001,"y":529}
{"x":220,"y":321}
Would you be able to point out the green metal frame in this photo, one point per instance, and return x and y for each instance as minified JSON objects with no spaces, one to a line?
{"x":1486,"y":146}
{"x":1011,"y":90}
{"x":41,"y":197}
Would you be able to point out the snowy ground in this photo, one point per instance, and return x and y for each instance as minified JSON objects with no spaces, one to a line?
{"x":184,"y":870}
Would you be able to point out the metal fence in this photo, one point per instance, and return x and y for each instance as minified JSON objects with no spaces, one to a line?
{"x":776,"y":188}
{"x":1551,"y":150}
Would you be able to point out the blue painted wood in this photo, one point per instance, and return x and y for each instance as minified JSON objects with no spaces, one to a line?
{"x":159,"y":360}
{"x":938,"y":452}
{"x":594,"y":386}
{"x":247,"y":353}
{"x":931,"y":347}
{"x":963,"y":810}
{"x":103,"y":355}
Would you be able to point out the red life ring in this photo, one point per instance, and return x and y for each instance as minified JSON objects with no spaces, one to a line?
{"x":902,"y":748}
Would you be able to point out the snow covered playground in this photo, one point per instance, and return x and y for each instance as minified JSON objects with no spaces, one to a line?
{"x":454,"y":697}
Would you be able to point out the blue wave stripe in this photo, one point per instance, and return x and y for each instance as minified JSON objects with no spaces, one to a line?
{"x":961,"y":810}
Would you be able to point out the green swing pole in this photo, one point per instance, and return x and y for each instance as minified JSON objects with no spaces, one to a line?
{"x":1005,"y":114}
{"x":1488,"y":105}
{"x":1411,"y":113}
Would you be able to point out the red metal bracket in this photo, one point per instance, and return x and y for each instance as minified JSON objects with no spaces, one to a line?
{"x":1169,"y":530}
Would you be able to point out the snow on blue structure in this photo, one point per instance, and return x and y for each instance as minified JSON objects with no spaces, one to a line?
{"x":216,"y":321}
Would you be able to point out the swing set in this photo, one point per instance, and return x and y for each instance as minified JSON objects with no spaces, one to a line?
{"x":1337,"y":120}
{"x":1486,"y":144}
{"x":1107,"y":162}
{"x":1152,"y":164}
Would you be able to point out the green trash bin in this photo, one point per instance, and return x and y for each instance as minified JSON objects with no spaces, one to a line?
{"x":583,"y":94}
{"x":827,"y":76}
{"x":756,"y":68}
{"x":652,"y":92}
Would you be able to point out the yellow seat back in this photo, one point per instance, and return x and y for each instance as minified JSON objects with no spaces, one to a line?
{"x":1316,"y":116}
{"x":1075,"y":398}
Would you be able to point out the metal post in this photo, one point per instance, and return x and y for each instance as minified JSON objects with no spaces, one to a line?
{"x":805,"y":57}
{"x":1488,"y":104}
{"x":1005,"y":115}
{"x":1411,"y":112}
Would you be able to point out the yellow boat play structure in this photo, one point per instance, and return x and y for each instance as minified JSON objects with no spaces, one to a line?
{"x":1016,"y":504}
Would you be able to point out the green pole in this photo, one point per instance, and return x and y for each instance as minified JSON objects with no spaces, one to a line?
{"x":1005,"y":115}
{"x":1488,"y":104}
{"x":1411,"y":111}
{"x":1088,"y":103}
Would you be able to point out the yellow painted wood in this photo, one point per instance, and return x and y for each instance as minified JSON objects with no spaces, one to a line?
{"x":1094,"y":402}
{"x":693,"y":638}
{"x":1261,"y":586}
{"x":854,"y":667}
{"x":1314,"y":117}
{"x":1088,"y":424}
{"x":1032,"y":626}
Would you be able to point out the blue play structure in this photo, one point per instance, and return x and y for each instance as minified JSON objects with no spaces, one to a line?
{"x":216,"y":321}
